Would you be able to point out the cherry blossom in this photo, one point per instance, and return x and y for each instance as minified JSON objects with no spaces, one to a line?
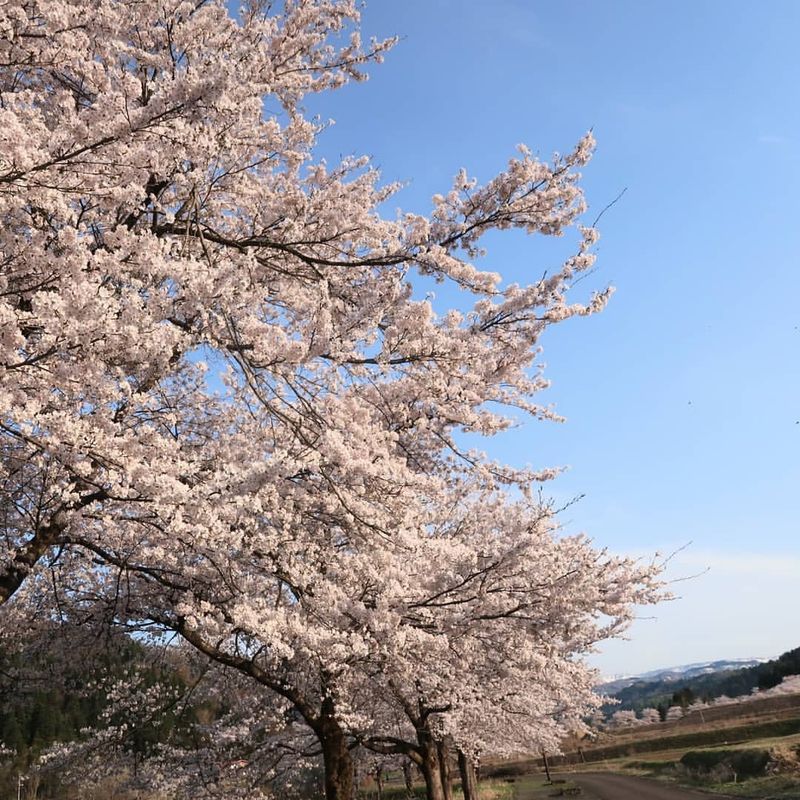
{"x":226,"y":412}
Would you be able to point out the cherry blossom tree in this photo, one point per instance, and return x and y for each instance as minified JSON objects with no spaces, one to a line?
{"x":675,"y":713}
{"x":624,"y":719}
{"x":227,"y":414}
{"x":724,"y":700}
{"x":492,"y":664}
{"x":650,"y":716}
{"x":157,"y":221}
{"x":480,"y":655}
{"x":130,"y":145}
{"x":212,"y":734}
{"x":788,"y":685}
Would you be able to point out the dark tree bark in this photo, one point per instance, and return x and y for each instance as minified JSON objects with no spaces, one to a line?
{"x":47,"y":535}
{"x":429,"y":755}
{"x":339,"y":772}
{"x":445,"y":772}
{"x":469,"y":777}
{"x":429,"y":766}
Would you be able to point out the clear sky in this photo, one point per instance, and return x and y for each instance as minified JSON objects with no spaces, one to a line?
{"x":683,"y":398}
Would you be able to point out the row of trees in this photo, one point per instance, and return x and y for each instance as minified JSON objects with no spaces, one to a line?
{"x":684,"y":703}
{"x":627,"y":718}
{"x":227,"y":416}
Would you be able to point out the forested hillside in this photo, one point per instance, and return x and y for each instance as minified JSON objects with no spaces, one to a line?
{"x":733,"y":683}
{"x":48,"y":696}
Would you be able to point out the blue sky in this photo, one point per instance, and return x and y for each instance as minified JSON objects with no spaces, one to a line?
{"x":683,"y":398}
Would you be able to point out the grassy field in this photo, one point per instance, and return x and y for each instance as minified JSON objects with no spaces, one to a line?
{"x":535,"y":787}
{"x":528,"y":787}
{"x":490,"y":790}
{"x":721,"y":769}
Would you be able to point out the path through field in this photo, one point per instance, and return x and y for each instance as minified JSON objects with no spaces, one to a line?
{"x":604,"y":786}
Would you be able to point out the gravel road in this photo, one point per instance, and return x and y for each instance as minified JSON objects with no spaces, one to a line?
{"x":603,"y":786}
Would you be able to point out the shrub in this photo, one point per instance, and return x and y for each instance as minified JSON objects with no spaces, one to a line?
{"x":714,"y":763}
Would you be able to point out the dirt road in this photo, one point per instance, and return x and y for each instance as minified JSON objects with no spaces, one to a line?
{"x":603,"y":786}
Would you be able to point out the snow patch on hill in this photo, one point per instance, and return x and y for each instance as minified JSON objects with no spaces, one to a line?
{"x":682,"y":672}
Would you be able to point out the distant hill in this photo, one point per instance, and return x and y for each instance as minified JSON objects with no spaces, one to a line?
{"x":684,"y":685}
{"x":683,"y":672}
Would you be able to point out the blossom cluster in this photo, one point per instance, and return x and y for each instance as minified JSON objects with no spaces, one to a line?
{"x":225,"y":413}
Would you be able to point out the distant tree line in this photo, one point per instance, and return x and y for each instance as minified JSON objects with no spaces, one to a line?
{"x":733,"y":683}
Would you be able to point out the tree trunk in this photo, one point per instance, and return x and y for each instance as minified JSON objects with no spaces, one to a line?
{"x":444,"y":770}
{"x":379,"y":782}
{"x":339,"y":773}
{"x":469,"y":777}
{"x":546,"y":766}
{"x":408,"y":777}
{"x":429,"y":766}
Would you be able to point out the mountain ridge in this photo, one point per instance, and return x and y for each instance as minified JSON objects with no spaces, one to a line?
{"x":709,"y":681}
{"x":679,"y":672}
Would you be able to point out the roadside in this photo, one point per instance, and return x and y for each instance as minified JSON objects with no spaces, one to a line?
{"x":600,"y":786}
{"x":755,"y":762}
{"x":768,"y":768}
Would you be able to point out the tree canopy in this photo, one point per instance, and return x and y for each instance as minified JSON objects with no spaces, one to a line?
{"x":229,"y":415}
